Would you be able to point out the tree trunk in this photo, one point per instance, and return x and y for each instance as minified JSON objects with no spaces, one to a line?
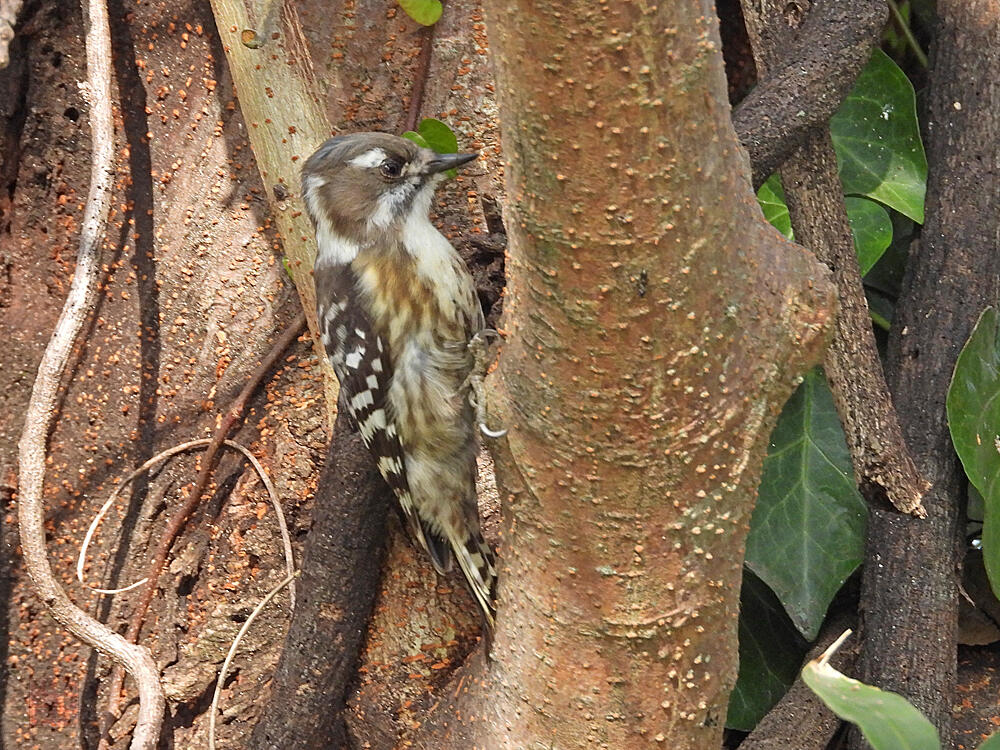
{"x":340,"y":575}
{"x":191,"y":297}
{"x":655,"y":325}
{"x":911,"y":580}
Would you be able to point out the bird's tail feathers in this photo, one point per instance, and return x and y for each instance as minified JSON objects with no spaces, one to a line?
{"x":475,"y":559}
{"x":437,"y":548}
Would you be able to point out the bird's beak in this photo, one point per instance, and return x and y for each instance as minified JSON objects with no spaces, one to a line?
{"x":441,"y":162}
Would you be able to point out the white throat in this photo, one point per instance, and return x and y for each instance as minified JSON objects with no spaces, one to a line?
{"x":437,"y":261}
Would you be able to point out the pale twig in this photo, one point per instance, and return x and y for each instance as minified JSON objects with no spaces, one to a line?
{"x":286,"y":541}
{"x":82,"y":557}
{"x":136,"y":660}
{"x":232,"y":653}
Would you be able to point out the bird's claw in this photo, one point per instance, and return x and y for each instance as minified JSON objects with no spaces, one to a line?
{"x":479,"y":347}
{"x":492,"y":434}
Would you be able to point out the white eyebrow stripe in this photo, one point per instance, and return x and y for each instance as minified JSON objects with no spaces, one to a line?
{"x":368,"y":159}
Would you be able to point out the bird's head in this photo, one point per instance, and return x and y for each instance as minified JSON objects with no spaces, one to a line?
{"x":360,"y":185}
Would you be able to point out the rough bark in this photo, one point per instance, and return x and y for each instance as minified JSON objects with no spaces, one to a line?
{"x":9,"y":11}
{"x":910,"y":585}
{"x":800,"y":720}
{"x":803,"y":88}
{"x":340,"y":574}
{"x":190,"y":293}
{"x":882,"y":462}
{"x":655,"y":324}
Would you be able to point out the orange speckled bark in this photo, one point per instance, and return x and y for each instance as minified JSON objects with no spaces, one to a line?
{"x":655,"y":326}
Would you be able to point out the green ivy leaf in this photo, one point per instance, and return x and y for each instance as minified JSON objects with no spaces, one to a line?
{"x":416,"y":138}
{"x":424,"y":12}
{"x":877,"y":139}
{"x":771,"y":651}
{"x":808,"y":528}
{"x":771,"y":197}
{"x":887,"y":720}
{"x":871,"y":228}
{"x":870,"y":223}
{"x":438,"y":136}
{"x":973,"y":405}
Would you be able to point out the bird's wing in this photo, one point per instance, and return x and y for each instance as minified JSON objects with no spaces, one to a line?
{"x":361,"y":360}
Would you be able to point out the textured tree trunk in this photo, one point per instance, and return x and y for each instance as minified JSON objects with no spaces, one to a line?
{"x":655,"y":325}
{"x":194,"y":292}
{"x":910,"y":586}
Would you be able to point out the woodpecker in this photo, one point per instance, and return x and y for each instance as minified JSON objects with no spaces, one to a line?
{"x":399,"y":317}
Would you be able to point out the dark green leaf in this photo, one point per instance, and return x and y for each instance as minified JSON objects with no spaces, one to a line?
{"x":887,"y":720}
{"x":975,"y":508}
{"x":887,"y":275}
{"x":807,"y":531}
{"x":974,"y":421}
{"x":771,"y":197}
{"x":877,"y":139}
{"x":871,"y":229}
{"x":870,"y":224}
{"x":771,"y":651}
{"x":436,"y":136}
{"x":425,"y":12}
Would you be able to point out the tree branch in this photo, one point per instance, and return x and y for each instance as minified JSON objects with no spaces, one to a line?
{"x":813,"y":192}
{"x":192,"y":499}
{"x":340,"y":576}
{"x":280,"y":101}
{"x":800,"y":720}
{"x":420,"y":78}
{"x":807,"y":83}
{"x":879,"y":452}
{"x":32,"y":447}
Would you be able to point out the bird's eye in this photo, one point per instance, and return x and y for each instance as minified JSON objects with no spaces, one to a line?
{"x":391,"y":169}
